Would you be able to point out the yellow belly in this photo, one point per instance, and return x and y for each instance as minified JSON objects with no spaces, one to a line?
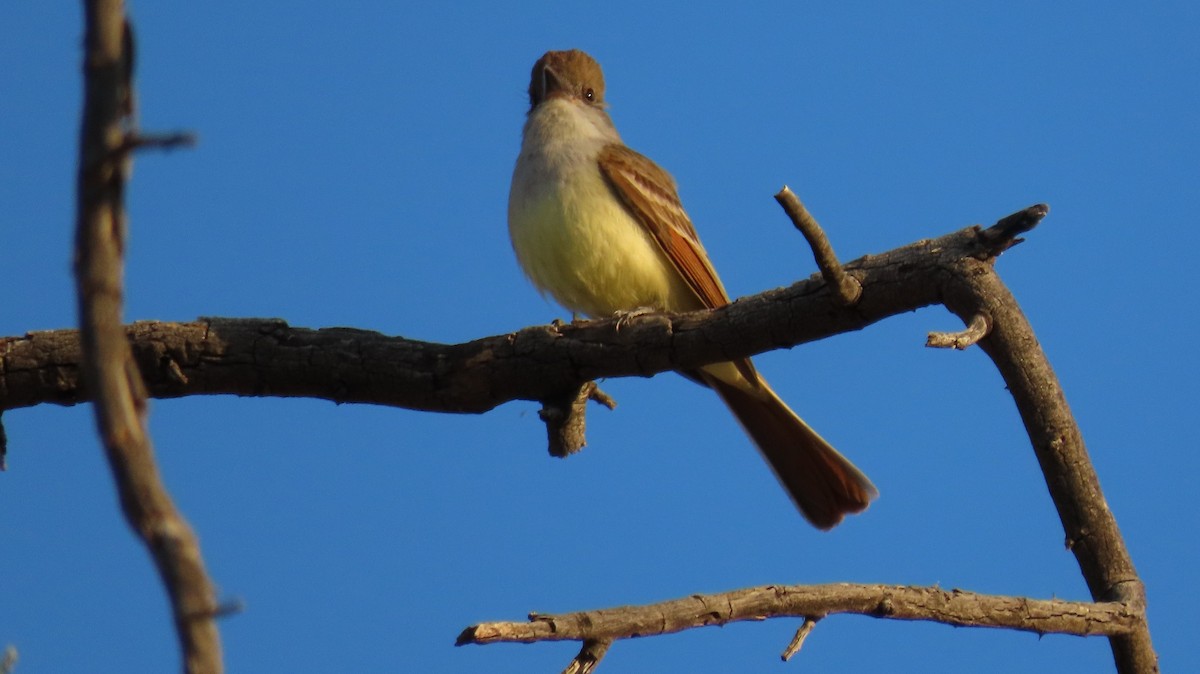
{"x":579,"y":244}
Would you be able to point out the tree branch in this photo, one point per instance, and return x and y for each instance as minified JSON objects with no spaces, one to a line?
{"x":1091,"y":530}
{"x":566,"y":419}
{"x":976,"y":330}
{"x":590,"y":655}
{"x":952,"y":607}
{"x":104,"y":358}
{"x":847,"y":287}
{"x":798,"y":640}
{"x":267,"y":357}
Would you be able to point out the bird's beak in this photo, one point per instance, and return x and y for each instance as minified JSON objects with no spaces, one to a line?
{"x":552,"y":83}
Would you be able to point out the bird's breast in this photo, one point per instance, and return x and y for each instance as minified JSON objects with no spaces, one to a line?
{"x":576,"y":241}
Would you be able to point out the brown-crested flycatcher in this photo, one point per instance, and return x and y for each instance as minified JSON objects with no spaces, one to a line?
{"x":600,"y":228}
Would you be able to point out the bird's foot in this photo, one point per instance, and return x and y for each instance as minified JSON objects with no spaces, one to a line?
{"x":624,"y":317}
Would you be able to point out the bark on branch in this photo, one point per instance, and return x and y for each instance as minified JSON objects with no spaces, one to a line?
{"x":267,"y":357}
{"x":847,"y":287}
{"x":952,"y":607}
{"x":1091,"y":530}
{"x":104,"y":358}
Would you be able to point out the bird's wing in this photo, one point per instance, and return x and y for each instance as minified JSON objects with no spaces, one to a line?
{"x":649,"y":193}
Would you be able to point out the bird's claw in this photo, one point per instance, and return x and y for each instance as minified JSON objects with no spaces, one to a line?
{"x":624,"y":317}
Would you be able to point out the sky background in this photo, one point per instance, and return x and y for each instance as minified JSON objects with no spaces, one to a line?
{"x":353,"y":170}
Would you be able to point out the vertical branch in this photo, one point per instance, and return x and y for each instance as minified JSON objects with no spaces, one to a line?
{"x":1091,"y":530}
{"x":108,"y":367}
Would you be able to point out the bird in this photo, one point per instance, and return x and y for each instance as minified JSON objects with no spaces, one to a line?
{"x":600,"y":228}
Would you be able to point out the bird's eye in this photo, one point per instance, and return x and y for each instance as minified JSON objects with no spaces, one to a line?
{"x":589,"y":94}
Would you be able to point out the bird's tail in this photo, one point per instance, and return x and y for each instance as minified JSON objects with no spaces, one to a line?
{"x":824,"y":485}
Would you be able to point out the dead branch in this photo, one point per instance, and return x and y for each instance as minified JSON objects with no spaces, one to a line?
{"x":590,"y":655}
{"x":1091,"y":530}
{"x":952,"y":607}
{"x":566,"y":419}
{"x":105,"y":359}
{"x":846,"y":287}
{"x":267,"y":357}
{"x":798,"y":640}
{"x":976,"y":330}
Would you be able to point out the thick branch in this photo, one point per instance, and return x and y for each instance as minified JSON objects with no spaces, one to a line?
{"x":952,"y":607}
{"x":266,"y":357}
{"x":104,"y":353}
{"x":1091,"y":530}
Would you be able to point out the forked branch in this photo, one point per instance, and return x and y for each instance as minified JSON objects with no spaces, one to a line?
{"x":267,"y":357}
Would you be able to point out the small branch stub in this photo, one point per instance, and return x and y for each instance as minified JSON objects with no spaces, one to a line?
{"x":1008,"y":228}
{"x":977,"y":329}
{"x":589,"y":657}
{"x":845,"y":287}
{"x":798,"y":640}
{"x":566,"y":418}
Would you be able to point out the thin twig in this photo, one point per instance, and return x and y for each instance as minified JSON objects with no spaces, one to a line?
{"x":976,"y":330}
{"x":845,"y":287}
{"x":229,"y":607}
{"x":598,"y":396}
{"x":157,"y":141}
{"x":797,"y":642}
{"x":107,"y":360}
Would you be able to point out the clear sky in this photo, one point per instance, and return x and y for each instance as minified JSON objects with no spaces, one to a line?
{"x":353,"y":170}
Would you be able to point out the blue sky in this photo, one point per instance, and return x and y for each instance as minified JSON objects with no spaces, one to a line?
{"x":353,"y":170}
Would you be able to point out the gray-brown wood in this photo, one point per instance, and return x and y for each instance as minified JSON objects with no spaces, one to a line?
{"x":847,"y":287}
{"x":1091,"y":530}
{"x":951,"y":607}
{"x":102,"y":355}
{"x":267,"y":357}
